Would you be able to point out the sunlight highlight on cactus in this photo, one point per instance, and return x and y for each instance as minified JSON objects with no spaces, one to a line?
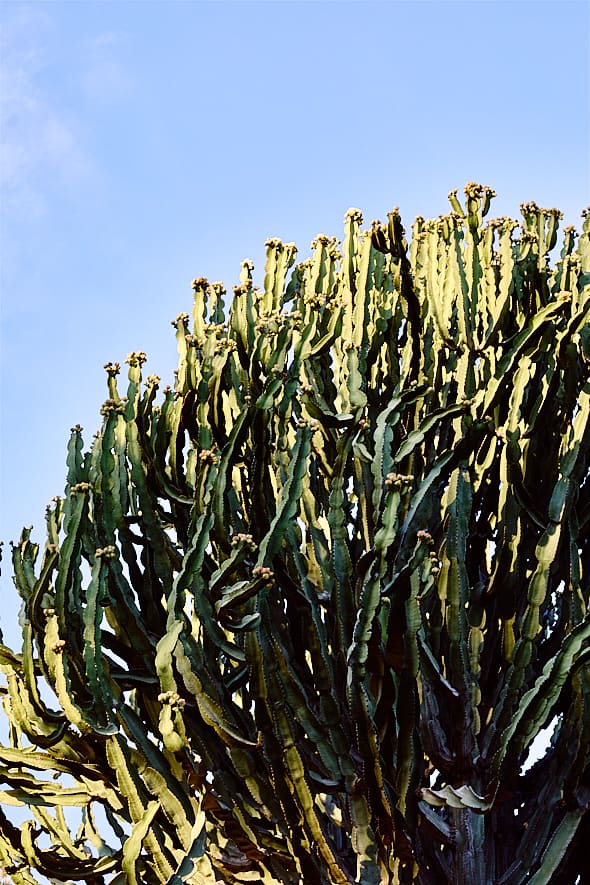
{"x":302,"y":614}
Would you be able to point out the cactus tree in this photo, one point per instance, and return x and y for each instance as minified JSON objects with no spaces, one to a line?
{"x":299,"y":617}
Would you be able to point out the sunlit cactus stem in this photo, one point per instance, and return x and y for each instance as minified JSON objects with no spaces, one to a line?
{"x":300,"y":617}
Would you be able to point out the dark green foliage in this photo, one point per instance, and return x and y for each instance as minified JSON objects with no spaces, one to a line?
{"x":303,"y":617}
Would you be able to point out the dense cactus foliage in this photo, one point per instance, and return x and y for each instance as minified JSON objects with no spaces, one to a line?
{"x":299,"y":618}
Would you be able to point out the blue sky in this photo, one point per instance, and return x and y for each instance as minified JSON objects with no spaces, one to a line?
{"x":144,"y":144}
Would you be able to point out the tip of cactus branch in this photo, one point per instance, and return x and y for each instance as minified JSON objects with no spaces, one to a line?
{"x":353,"y":214}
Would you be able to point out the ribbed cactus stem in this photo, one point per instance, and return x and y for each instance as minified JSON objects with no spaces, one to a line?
{"x":303,"y":612}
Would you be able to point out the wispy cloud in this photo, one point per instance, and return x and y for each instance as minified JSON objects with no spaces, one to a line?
{"x":38,"y":143}
{"x":105,"y":77}
{"x":44,"y":136}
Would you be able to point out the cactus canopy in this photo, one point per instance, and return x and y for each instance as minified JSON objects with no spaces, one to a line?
{"x":299,"y":617}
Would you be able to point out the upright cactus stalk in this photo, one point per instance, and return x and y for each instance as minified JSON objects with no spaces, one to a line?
{"x":299,"y":618}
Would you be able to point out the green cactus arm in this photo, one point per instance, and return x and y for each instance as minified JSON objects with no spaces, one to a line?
{"x":489,"y":396}
{"x":456,"y":591}
{"x":296,"y":699}
{"x":556,"y":849}
{"x":536,"y":703}
{"x":369,"y":601}
{"x":134,"y":843}
{"x":340,"y":555}
{"x":504,"y":257}
{"x":271,"y":543}
{"x":27,"y":714}
{"x":101,"y":687}
{"x":211,"y":710}
{"x":195,"y":867}
{"x":546,"y":553}
{"x":34,"y":791}
{"x":141,"y":811}
{"x":296,"y":773}
{"x":58,"y":831}
{"x":174,"y":810}
{"x":417,"y":437}
{"x":67,"y":577}
{"x":156,"y":761}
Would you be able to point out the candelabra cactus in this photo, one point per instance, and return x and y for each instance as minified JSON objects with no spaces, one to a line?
{"x":303,"y":614}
